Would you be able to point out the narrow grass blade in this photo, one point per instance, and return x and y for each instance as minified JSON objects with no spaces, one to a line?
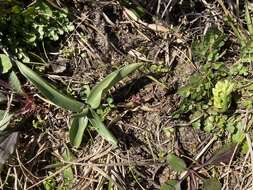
{"x":97,"y":92}
{"x":101,"y":128}
{"x":78,"y":126}
{"x":50,"y":92}
{"x":235,"y":27}
{"x":248,"y":19}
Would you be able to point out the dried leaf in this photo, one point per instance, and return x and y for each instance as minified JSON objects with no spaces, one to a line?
{"x":131,"y":15}
{"x":211,"y":184}
{"x":8,"y":142}
{"x":158,"y":28}
{"x":155,"y":27}
{"x":223,"y":155}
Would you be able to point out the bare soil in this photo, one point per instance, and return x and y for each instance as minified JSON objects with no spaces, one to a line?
{"x":105,"y":39}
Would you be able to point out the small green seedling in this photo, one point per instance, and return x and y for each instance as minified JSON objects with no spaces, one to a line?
{"x":208,"y":49}
{"x":222,"y":95}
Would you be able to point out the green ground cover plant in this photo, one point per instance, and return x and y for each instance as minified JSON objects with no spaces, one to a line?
{"x":215,"y":94}
{"x":212,"y":96}
{"x":23,"y":30}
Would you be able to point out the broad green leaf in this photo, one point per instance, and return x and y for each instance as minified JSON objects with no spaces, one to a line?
{"x":101,"y":128}
{"x":5,"y":63}
{"x":176,"y":163}
{"x":78,"y":126}
{"x":5,"y":118}
{"x":49,"y":91}
{"x":15,"y":83}
{"x":211,"y":184}
{"x":95,"y":96}
{"x":171,"y":185}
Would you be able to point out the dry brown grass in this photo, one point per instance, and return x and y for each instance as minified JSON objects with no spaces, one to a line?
{"x":108,"y":35}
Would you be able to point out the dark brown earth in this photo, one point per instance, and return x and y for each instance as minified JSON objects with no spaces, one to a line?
{"x":105,"y":39}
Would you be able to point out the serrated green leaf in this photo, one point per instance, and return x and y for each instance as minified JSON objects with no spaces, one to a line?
{"x":5,"y":63}
{"x":184,"y":91}
{"x":45,"y":9}
{"x":222,"y":95}
{"x":78,"y":126}
{"x":95,"y":96}
{"x":49,"y":91}
{"x":209,"y":47}
{"x":176,"y":163}
{"x":100,"y":127}
{"x":49,"y":184}
{"x":171,"y":185}
{"x":211,"y":184}
{"x":15,"y":83}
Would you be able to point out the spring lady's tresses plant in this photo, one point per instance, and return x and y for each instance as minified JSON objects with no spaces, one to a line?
{"x":222,"y":95}
{"x":84,"y":113}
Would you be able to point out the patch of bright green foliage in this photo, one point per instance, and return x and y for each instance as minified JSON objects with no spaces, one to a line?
{"x":24,"y":28}
{"x":209,"y":47}
{"x":222,"y":95}
{"x":218,"y":95}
